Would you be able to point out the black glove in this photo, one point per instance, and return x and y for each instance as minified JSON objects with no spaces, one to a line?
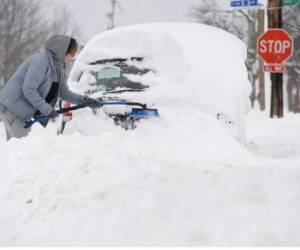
{"x":93,"y":103}
{"x":53,"y":114}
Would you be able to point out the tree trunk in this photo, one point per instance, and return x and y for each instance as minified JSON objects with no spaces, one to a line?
{"x":261,"y":74}
{"x":275,"y":21}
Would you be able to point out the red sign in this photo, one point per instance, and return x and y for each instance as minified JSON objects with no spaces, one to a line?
{"x":275,"y":46}
{"x":274,"y":68}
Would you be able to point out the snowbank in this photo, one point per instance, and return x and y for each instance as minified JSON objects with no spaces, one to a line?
{"x":178,"y":180}
{"x":55,"y":192}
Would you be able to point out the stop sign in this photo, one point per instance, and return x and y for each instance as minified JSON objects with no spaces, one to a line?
{"x":275,"y":46}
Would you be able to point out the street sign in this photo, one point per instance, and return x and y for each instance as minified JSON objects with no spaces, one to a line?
{"x":274,"y":68}
{"x":244,"y":3}
{"x":255,"y":3}
{"x":275,"y":46}
{"x":290,"y":2}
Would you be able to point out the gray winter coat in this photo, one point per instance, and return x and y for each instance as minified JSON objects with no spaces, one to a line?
{"x":27,"y":89}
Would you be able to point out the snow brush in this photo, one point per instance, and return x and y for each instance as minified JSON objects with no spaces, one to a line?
{"x":142,"y":112}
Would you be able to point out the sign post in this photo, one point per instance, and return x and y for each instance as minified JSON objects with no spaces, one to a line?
{"x":275,"y":46}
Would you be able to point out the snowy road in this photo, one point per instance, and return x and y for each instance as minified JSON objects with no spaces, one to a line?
{"x":277,"y":138}
{"x":147,"y":198}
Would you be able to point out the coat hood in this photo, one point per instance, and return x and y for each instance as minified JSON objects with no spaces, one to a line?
{"x":58,"y":45}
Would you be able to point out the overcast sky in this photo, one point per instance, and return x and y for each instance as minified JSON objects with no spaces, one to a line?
{"x":91,"y":14}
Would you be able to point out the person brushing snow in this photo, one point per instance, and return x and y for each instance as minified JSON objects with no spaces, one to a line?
{"x":34,"y":88}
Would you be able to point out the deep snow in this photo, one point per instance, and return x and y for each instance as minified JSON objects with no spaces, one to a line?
{"x":81,"y":190}
{"x":178,"y":180}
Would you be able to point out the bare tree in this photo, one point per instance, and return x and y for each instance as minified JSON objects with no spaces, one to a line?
{"x":61,"y":22}
{"x":209,"y":13}
{"x":244,"y":24}
{"x":21,"y":31}
{"x":24,"y":27}
{"x":292,"y":25}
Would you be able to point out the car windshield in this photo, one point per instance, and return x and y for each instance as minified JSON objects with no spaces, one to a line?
{"x":113,"y":77}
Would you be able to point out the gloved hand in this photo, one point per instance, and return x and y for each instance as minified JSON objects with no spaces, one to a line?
{"x":53,"y":114}
{"x":93,"y":103}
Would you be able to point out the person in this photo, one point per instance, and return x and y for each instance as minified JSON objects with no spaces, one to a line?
{"x":34,"y":88}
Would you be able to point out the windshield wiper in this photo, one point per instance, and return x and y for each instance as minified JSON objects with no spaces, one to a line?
{"x":117,"y":60}
{"x":122,"y":91}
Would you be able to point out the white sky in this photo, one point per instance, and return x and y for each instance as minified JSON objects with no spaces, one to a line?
{"x":91,"y":14}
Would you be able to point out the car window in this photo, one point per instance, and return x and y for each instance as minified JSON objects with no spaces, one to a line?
{"x":112,"y":77}
{"x":108,"y":73}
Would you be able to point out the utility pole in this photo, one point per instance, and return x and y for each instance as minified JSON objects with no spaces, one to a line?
{"x":111,"y":15}
{"x":275,"y":22}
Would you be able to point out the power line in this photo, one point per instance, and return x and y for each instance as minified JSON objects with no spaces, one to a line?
{"x":292,"y":25}
{"x":111,"y":15}
{"x":129,"y":14}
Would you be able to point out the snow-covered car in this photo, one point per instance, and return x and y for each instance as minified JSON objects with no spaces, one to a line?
{"x":182,"y":69}
{"x":110,"y":80}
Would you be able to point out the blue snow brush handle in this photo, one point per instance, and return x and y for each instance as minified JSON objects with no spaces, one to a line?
{"x":43,"y":118}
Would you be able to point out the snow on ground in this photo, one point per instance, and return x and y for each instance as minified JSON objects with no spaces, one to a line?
{"x":178,"y":180}
{"x":280,"y":138}
{"x":82,"y":190}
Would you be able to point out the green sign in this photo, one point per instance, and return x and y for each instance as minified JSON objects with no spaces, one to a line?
{"x":290,"y":2}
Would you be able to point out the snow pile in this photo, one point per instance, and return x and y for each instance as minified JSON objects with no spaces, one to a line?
{"x":77,"y":190}
{"x":113,"y":188}
{"x":177,"y":180}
